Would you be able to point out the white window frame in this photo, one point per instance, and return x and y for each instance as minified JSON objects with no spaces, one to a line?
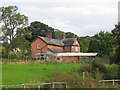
{"x":76,"y":49}
{"x":38,"y":46}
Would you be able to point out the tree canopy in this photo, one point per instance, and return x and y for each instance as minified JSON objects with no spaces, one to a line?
{"x":12,"y":21}
{"x":38,"y":29}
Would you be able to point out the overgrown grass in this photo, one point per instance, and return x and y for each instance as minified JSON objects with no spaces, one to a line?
{"x":32,"y":73}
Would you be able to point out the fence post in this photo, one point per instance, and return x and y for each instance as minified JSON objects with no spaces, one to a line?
{"x":66,"y":85}
{"x":113,"y":82}
{"x":83,"y":75}
{"x":38,"y":87}
{"x":53,"y":86}
{"x":6,"y":87}
{"x":23,"y":85}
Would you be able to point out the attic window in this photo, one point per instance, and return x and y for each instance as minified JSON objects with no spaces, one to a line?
{"x":38,"y":46}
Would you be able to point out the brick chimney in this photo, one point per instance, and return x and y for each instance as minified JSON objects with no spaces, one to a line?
{"x":49,"y":36}
{"x":63,"y":36}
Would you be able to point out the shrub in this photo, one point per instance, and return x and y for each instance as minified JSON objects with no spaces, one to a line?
{"x":112,"y":72}
{"x":74,"y":80}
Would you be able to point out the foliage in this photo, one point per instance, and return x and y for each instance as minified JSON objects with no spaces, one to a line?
{"x":12,"y":22}
{"x":84,"y":43}
{"x":102,"y":43}
{"x":112,"y":72}
{"x":70,"y":35}
{"x":58,"y":34}
{"x":38,"y":29}
{"x":74,"y":80}
{"x":116,"y":35}
{"x":100,"y":67}
{"x":4,"y":52}
{"x":17,"y":53}
{"x":23,"y":44}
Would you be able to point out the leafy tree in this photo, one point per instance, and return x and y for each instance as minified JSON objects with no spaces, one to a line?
{"x":58,"y":34}
{"x":12,"y":22}
{"x":39,"y":29}
{"x":94,"y":46}
{"x":84,"y":43}
{"x":102,"y":43}
{"x":70,"y":35}
{"x":116,"y":35}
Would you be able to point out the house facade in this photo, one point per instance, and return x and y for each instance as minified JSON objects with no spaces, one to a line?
{"x":47,"y":47}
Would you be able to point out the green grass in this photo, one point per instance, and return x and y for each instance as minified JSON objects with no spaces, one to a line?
{"x":18,"y":74}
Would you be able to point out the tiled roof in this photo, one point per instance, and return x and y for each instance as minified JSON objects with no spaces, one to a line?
{"x":52,"y":41}
{"x":69,"y":41}
{"x":66,"y":41}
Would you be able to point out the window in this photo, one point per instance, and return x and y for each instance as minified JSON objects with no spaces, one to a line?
{"x":38,"y":56}
{"x":38,"y":46}
{"x":76,"y":49}
{"x":72,"y":48}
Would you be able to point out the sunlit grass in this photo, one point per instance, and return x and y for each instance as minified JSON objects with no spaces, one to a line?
{"x":19,"y":74}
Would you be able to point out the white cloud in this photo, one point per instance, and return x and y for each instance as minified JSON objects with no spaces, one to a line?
{"x":78,"y":1}
{"x":83,"y":17}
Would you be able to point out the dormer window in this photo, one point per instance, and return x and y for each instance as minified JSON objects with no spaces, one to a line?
{"x":38,"y":46}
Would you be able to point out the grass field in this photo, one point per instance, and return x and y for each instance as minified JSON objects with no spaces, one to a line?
{"x":18,"y":74}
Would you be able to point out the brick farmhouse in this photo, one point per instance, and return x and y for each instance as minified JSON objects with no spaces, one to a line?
{"x":63,"y":49}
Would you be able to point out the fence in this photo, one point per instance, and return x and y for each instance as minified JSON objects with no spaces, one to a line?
{"x":113,"y":81}
{"x":38,"y":84}
{"x":52,"y":83}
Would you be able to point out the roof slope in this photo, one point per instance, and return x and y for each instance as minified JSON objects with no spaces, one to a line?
{"x":56,"y":50}
{"x":58,"y":42}
{"x":69,"y":41}
{"x":52,"y":41}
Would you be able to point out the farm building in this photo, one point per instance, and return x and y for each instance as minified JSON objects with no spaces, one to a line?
{"x":47,"y":48}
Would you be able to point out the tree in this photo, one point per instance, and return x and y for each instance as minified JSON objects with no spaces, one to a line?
{"x":70,"y":35}
{"x":116,"y":35}
{"x":102,"y":43}
{"x":39,"y":29}
{"x":84,"y":43}
{"x":58,"y":34}
{"x":12,"y":23}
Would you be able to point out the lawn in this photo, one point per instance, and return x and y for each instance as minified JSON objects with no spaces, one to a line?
{"x":31,"y":73}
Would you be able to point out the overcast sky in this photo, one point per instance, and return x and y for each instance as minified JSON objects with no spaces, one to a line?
{"x":82,"y":17}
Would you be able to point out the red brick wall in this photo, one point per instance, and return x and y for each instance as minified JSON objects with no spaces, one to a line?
{"x":69,"y":58}
{"x":67,"y":48}
{"x":34,"y":49}
{"x":70,"y":49}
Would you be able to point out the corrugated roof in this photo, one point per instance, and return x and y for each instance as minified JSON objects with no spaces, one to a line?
{"x":76,"y":54}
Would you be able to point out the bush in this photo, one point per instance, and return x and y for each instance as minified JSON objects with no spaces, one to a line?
{"x":74,"y":80}
{"x":112,"y":72}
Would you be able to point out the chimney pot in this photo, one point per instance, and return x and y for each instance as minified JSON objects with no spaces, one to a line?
{"x":63,"y":36}
{"x":49,"y":36}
